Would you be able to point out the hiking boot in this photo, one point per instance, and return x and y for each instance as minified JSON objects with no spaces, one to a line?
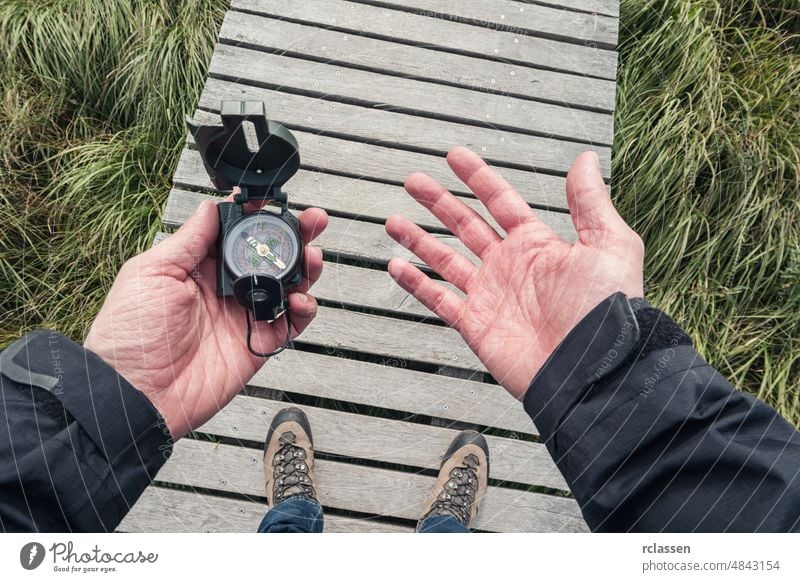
{"x":463,"y":479}
{"x":289,"y":457}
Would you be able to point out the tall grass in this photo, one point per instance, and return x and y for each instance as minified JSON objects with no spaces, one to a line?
{"x":93,"y":99}
{"x":706,"y":162}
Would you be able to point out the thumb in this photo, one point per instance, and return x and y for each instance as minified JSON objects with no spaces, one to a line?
{"x":590,"y":206}
{"x":190,"y":245}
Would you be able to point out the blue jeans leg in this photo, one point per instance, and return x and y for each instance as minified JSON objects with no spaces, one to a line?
{"x":441,"y":524}
{"x":294,"y":515}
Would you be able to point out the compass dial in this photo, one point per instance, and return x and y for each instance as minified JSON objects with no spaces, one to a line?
{"x":261,"y":243}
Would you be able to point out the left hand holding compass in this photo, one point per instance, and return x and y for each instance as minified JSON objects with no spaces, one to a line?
{"x":164,"y":329}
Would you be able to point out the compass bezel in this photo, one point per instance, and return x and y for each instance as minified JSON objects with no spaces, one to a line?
{"x":291,"y":268}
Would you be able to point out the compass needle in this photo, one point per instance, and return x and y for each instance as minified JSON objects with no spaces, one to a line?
{"x":261,"y":243}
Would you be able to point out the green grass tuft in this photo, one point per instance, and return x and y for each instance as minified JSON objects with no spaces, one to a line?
{"x":93,"y":100}
{"x":706,"y":160}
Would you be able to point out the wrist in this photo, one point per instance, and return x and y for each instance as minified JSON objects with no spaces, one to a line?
{"x":615,"y":334}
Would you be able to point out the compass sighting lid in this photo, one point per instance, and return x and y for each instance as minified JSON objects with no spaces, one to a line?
{"x":247,"y":150}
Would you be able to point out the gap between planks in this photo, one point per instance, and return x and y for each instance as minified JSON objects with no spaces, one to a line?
{"x":444,"y":35}
{"x":164,"y":510}
{"x":383,"y":440}
{"x":403,"y":132}
{"x":510,"y":16}
{"x":381,"y":165}
{"x":369,"y":490}
{"x":388,"y":58}
{"x":334,"y":83}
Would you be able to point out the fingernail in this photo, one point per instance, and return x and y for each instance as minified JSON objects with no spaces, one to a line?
{"x":391,"y":268}
{"x":596,"y":159}
{"x":302,"y":298}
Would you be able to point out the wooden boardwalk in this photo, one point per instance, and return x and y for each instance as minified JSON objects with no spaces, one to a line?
{"x":374,"y":90}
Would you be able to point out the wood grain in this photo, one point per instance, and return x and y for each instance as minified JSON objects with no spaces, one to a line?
{"x":335,"y":83}
{"x":440,"y":33}
{"x":162,"y":510}
{"x":513,"y":16}
{"x":366,"y":489}
{"x":400,"y":130}
{"x":404,"y":60}
{"x":392,"y":386}
{"x":390,"y":441}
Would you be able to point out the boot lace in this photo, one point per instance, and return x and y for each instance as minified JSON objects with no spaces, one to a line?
{"x":459,"y":492}
{"x":290,"y":470}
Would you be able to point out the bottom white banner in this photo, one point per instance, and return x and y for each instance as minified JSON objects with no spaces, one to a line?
{"x":226,"y":557}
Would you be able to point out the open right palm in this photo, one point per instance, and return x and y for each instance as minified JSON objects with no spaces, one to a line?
{"x":531,"y":286}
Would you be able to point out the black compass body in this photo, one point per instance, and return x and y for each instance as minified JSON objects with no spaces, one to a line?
{"x":259,"y":254}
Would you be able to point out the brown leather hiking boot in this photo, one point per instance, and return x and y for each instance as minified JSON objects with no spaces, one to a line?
{"x":463,"y":479}
{"x":289,"y":457}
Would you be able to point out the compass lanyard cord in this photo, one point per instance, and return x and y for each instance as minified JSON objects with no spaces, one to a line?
{"x":286,"y":342}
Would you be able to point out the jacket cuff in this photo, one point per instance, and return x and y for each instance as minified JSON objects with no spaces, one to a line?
{"x":119,"y":419}
{"x":617,"y":332}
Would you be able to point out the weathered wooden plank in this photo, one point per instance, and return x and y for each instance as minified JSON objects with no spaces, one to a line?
{"x":161,"y":510}
{"x":352,"y":239}
{"x":385,"y":164}
{"x":389,"y":441}
{"x":391,"y":93}
{"x":348,"y":285}
{"x":515,"y":17}
{"x":366,"y":489}
{"x":338,"y":195}
{"x":606,"y":7}
{"x":393,"y":386}
{"x":390,"y":338}
{"x":346,"y":238}
{"x":400,"y":130}
{"x":439,"y":33}
{"x":495,"y":77}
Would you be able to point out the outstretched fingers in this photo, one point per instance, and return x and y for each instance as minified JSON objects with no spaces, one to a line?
{"x":440,"y":300}
{"x":442,"y":258}
{"x":507,"y":207}
{"x":469,"y":226}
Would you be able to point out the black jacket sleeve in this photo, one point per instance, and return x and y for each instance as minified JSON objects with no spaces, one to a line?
{"x":651,"y":438}
{"x":78,"y":443}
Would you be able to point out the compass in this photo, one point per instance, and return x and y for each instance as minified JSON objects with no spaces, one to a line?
{"x":263,"y":244}
{"x":259,"y":254}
